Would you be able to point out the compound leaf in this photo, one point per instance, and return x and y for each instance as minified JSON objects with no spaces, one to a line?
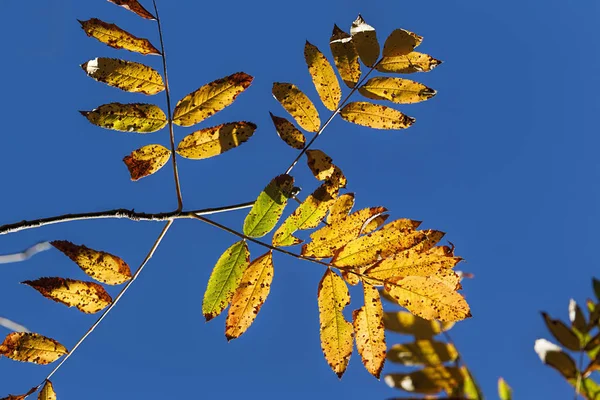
{"x":125,"y":75}
{"x":298,"y":105}
{"x":323,"y":76}
{"x":370,"y":333}
{"x":375,"y":116}
{"x":134,"y":6}
{"x":268,"y":207}
{"x":345,"y":56}
{"x":396,"y":90}
{"x":211,"y":142}
{"x":408,"y":64}
{"x":134,"y":117}
{"x":31,"y":347}
{"x":365,"y":41}
{"x":116,"y":37}
{"x":288,"y":132}
{"x":146,"y":161}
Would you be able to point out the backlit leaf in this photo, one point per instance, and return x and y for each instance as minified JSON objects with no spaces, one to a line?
{"x":47,"y":392}
{"x":116,"y":37}
{"x":408,"y":64}
{"x":134,"y":117}
{"x":323,"y":169}
{"x":125,"y":75}
{"x":350,"y":277}
{"x":288,"y":132}
{"x":422,"y":352}
{"x":268,"y":207}
{"x":364,"y":38}
{"x":396,"y":90}
{"x":375,"y":116}
{"x":146,"y":160}
{"x":409,"y":324}
{"x":134,"y":6}
{"x":552,"y":355}
{"x":429,"y":380}
{"x":225,"y":279}
{"x":22,"y":396}
{"x":341,"y":208}
{"x":250,"y":296}
{"x":374,"y":224}
{"x":336,"y":332}
{"x":31,"y":347}
{"x":210,"y":99}
{"x":323,"y":76}
{"x":562,"y":333}
{"x":345,"y":56}
{"x":298,"y":105}
{"x":428,"y":298}
{"x":400,"y":43}
{"x":88,"y":297}
{"x":211,"y":142}
{"x":504,"y":391}
{"x":99,"y":265}
{"x":370,"y":334}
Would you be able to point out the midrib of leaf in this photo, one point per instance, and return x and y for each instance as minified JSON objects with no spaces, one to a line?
{"x":260,"y":279}
{"x":233,"y":263}
{"x":140,"y":79}
{"x":139,"y":118}
{"x":394,"y":89}
{"x":304,"y":111}
{"x":377,"y":244}
{"x":370,"y":330}
{"x":263,"y":216}
{"x":452,"y":306}
{"x":203,"y":102}
{"x":322,"y":68}
{"x":73,"y":294}
{"x":338,"y":314}
{"x":106,"y":32}
{"x":27,"y":348}
{"x":373,"y":114}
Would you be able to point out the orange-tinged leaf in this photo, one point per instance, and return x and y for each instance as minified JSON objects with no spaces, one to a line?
{"x":268,"y":207}
{"x":323,"y":76}
{"x":298,"y":105}
{"x":365,"y":41}
{"x":341,"y":208}
{"x":396,"y":90}
{"x":375,"y":116}
{"x":21,"y":396}
{"x":408,"y":64}
{"x":288,"y":132}
{"x":428,"y":298}
{"x":336,"y":332}
{"x":134,"y":6}
{"x":116,"y":37}
{"x":88,"y":297}
{"x":31,"y":347}
{"x":422,"y":352}
{"x":429,"y":380}
{"x":125,"y":75}
{"x":409,"y":324}
{"x":370,"y":333}
{"x":345,"y":56}
{"x":134,"y":117}
{"x":211,"y":142}
{"x":146,"y":161}
{"x":99,"y":265}
{"x":250,"y":296}
{"x":47,"y":392}
{"x":400,"y":43}
{"x":210,"y":99}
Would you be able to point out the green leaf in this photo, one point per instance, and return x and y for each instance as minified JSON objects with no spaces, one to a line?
{"x":135,"y":117}
{"x":268,"y":207}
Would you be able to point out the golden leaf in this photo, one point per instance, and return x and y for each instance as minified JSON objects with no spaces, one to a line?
{"x":298,"y":105}
{"x":288,"y":132}
{"x":116,"y":37}
{"x":210,"y":99}
{"x":422,"y":352}
{"x":135,"y":117}
{"x":336,"y":332}
{"x":375,"y":116}
{"x":428,"y":298}
{"x":323,"y":169}
{"x":31,"y":347}
{"x":47,"y":392}
{"x":365,"y":41}
{"x":429,"y":380}
{"x":504,"y":391}
{"x":99,"y":265}
{"x":250,"y":296}
{"x":400,"y":43}
{"x":268,"y":207}
{"x":323,"y":76}
{"x":409,"y":324}
{"x":408,"y":64}
{"x":126,"y":75}
{"x":375,"y":224}
{"x":134,"y":6}
{"x":22,"y":396}
{"x":146,"y":161}
{"x":88,"y":297}
{"x":396,"y":90}
{"x":350,"y":277}
{"x":345,"y":56}
{"x":211,"y":142}
{"x":341,"y":208}
{"x":370,"y":334}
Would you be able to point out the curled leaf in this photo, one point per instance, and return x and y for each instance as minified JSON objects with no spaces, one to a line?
{"x":126,"y":75}
{"x":375,"y":116}
{"x":323,"y":76}
{"x":146,"y":161}
{"x":298,"y":105}
{"x":116,"y":37}
{"x":134,"y":117}
{"x":134,"y":6}
{"x":345,"y":56}
{"x":364,"y":38}
{"x":268,"y":207}
{"x":87,"y":297}
{"x":31,"y":347}
{"x":211,"y":142}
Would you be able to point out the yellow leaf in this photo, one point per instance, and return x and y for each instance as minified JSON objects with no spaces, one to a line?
{"x":126,"y":75}
{"x":22,"y":396}
{"x":429,"y":380}
{"x":288,"y":132}
{"x":134,"y":6}
{"x":341,"y":208}
{"x":422,"y":352}
{"x":375,"y":116}
{"x":298,"y":105}
{"x":146,"y":160}
{"x":400,"y":43}
{"x":396,"y":90}
{"x":47,"y":392}
{"x":210,"y":99}
{"x":375,"y":224}
{"x":448,"y":277}
{"x":211,"y":142}
{"x":328,"y":239}
{"x":408,"y":64}
{"x":350,"y":277}
{"x":250,"y":296}
{"x":116,"y":37}
{"x":370,"y":334}
{"x":31,"y":347}
{"x":135,"y":117}
{"x":101,"y":266}
{"x":409,"y":324}
{"x":345,"y":56}
{"x":88,"y":297}
{"x":323,"y":169}
{"x":336,"y":332}
{"x":428,"y":298}
{"x":323,"y":76}
{"x":365,"y":41}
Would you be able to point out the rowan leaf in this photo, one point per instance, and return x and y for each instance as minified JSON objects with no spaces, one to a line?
{"x":133,"y":117}
{"x":22,"y":396}
{"x":225,"y":279}
{"x":211,"y":142}
{"x":375,"y":224}
{"x":125,"y":75}
{"x":364,"y":38}
{"x":429,"y":380}
{"x":345,"y":56}
{"x":250,"y":296}
{"x":428,"y":298}
{"x":336,"y":333}
{"x":323,"y":76}
{"x":323,"y":169}
{"x":422,"y":352}
{"x":298,"y":105}
{"x":340,"y":208}
{"x":308,"y":215}
{"x":99,"y":265}
{"x":288,"y":132}
{"x":504,"y":391}
{"x":134,"y":6}
{"x":87,"y":297}
{"x":400,"y":43}
{"x":47,"y":392}
{"x":31,"y":347}
{"x":325,"y":241}
{"x":562,"y":333}
{"x":113,"y":36}
{"x":375,"y":116}
{"x":552,"y":355}
{"x":396,"y":90}
{"x":370,"y":333}
{"x":350,"y":277}
{"x":577,"y":317}
{"x":408,"y":64}
{"x":146,"y":161}
{"x":268,"y":207}
{"x":409,"y":324}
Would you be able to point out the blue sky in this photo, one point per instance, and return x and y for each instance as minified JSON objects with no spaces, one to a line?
{"x":502,"y":159}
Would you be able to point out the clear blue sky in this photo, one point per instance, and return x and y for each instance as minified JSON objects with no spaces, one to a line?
{"x":504,"y":159}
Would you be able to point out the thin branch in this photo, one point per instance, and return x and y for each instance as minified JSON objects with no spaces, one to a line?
{"x":579,"y":375}
{"x":26,"y":254}
{"x":169,"y":112}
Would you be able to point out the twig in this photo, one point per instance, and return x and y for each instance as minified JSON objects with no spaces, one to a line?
{"x":13,"y":326}
{"x":579,"y":375}
{"x":25,"y":255}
